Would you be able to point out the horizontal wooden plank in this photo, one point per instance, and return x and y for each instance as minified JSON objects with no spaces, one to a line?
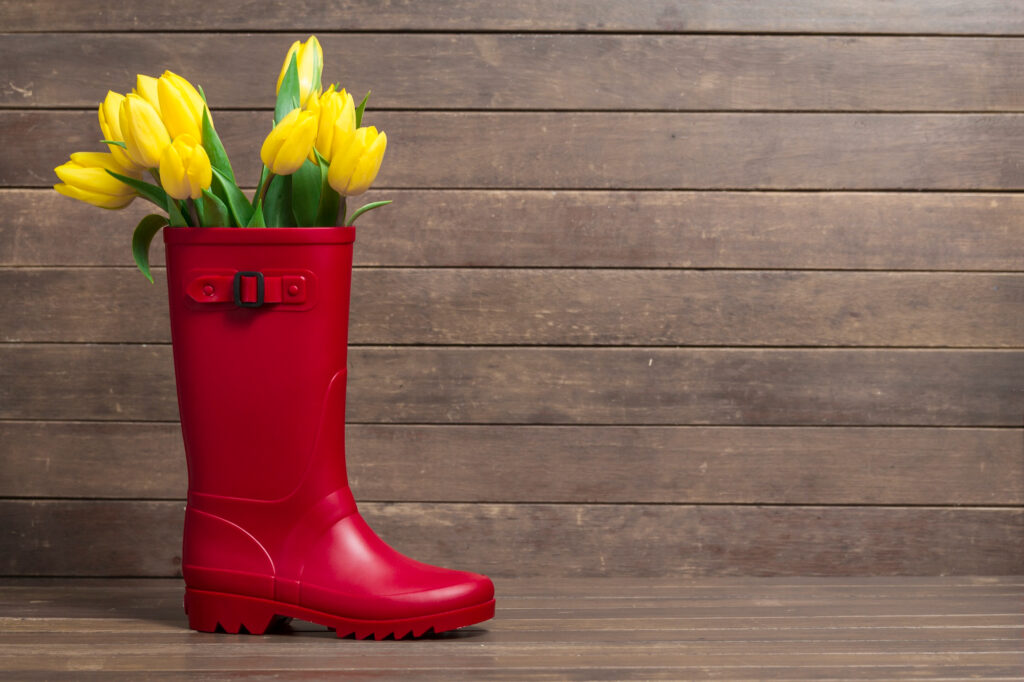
{"x":143,"y":538}
{"x":233,"y":658}
{"x":775,"y":465}
{"x":500,"y":71}
{"x":139,"y":651}
{"x":833,"y":230}
{"x":536,"y":591}
{"x":787,"y":624}
{"x":568,"y":307}
{"x":564,"y":386}
{"x":447,"y":668}
{"x":559,"y":150}
{"x":40,"y":598}
{"x":169,"y":630}
{"x":519,"y":647}
{"x":802,"y":16}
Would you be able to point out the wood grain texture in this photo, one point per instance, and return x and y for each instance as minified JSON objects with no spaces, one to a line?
{"x":524,"y":228}
{"x":763,"y":16}
{"x":548,"y":628}
{"x":608,"y":464}
{"x":564,"y":385}
{"x":498,"y":71}
{"x":557,"y":150}
{"x":115,"y":538}
{"x":568,"y":307}
{"x":520,"y":412}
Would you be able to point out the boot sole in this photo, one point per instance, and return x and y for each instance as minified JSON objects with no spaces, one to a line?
{"x":239,"y":614}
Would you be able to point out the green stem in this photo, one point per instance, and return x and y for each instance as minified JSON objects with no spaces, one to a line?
{"x":193,"y":213}
{"x":342,"y":211}
{"x":266,"y":186}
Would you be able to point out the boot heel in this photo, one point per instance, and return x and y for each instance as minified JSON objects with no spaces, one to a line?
{"x":233,"y":613}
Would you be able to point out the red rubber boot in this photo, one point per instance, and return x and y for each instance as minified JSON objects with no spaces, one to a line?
{"x":259,"y":321}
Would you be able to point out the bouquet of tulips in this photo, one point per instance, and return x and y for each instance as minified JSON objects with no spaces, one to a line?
{"x":316,"y":155}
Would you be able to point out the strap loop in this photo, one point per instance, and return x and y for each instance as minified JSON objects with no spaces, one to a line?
{"x":250,"y":288}
{"x":260,"y":289}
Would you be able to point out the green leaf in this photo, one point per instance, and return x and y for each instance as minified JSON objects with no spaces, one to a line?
{"x":327,"y":211}
{"x":146,"y":190}
{"x":306,"y":184}
{"x":177,"y":219}
{"x":142,"y":238}
{"x":323,"y":164}
{"x":212,"y":211}
{"x":256,"y":220}
{"x":361,"y":108}
{"x":277,"y":204}
{"x":327,"y":208}
{"x":116,"y":143}
{"x":214,"y":148}
{"x":201,"y":93}
{"x":288,"y":95}
{"x":368,"y":207}
{"x":239,"y":208}
{"x":259,"y":185}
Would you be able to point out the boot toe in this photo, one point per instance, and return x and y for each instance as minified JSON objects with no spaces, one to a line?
{"x":465,"y":590}
{"x":458,"y":591}
{"x":350,"y":572}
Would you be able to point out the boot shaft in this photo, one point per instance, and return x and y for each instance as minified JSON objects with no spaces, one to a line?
{"x":259,"y":325}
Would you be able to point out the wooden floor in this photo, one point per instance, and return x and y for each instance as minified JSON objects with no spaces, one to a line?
{"x":597,"y":628}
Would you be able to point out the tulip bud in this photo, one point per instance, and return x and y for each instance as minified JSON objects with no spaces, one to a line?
{"x":85,"y":178}
{"x":290,"y":142}
{"x":144,"y":133}
{"x":335,"y":111}
{"x":181,"y":107}
{"x":356,"y":159}
{"x":110,"y":124}
{"x":309,"y":57}
{"x":146,"y":88}
{"x":185,"y":168}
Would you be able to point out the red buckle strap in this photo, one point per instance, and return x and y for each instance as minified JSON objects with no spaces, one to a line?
{"x":276,"y":288}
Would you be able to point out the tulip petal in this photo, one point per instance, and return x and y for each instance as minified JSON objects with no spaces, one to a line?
{"x":145,"y":87}
{"x":144,"y":133}
{"x":368,"y":166}
{"x":284,"y":69}
{"x":91,"y":179}
{"x":109,"y":114}
{"x":96,"y":199}
{"x":105,"y":160}
{"x":172,"y":173}
{"x":195,"y":101}
{"x":185,"y":168}
{"x":297,"y":147}
{"x":199,"y":172}
{"x":273,"y":142}
{"x":176,"y":111}
{"x":347,"y":151}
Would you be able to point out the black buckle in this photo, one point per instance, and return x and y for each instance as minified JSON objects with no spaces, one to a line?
{"x":238,"y":289}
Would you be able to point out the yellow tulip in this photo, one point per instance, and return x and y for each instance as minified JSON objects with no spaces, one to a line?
{"x":290,"y":142}
{"x":185,"y":168}
{"x":110,"y":124}
{"x":181,"y":106}
{"x":335,"y":111}
{"x":85,"y":178}
{"x":144,"y":132}
{"x":146,"y":88}
{"x":356,"y":159}
{"x":309,"y":57}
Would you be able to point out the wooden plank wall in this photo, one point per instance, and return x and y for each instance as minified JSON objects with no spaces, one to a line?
{"x":669,"y":288}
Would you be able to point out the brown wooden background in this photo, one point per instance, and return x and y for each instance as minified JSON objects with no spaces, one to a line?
{"x":668,"y":287}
